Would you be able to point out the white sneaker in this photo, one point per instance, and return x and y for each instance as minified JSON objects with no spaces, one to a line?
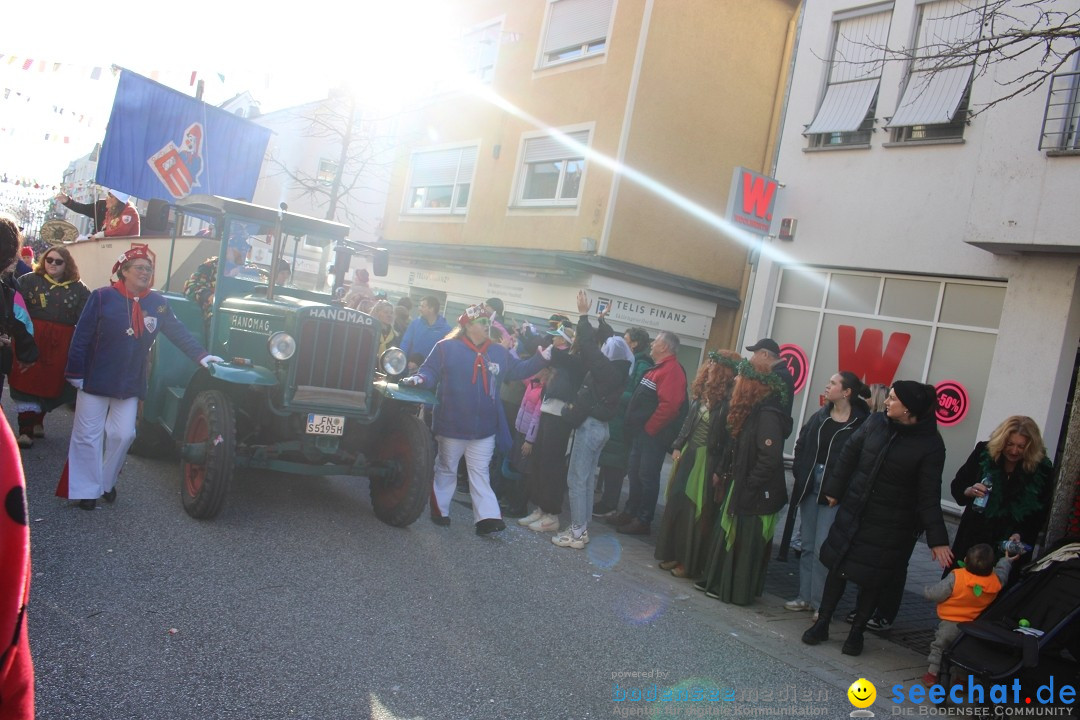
{"x":531,"y":517}
{"x":797,"y":605}
{"x":545,"y":523}
{"x":566,"y":539}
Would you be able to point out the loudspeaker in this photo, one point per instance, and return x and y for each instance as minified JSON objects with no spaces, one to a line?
{"x":156,"y":219}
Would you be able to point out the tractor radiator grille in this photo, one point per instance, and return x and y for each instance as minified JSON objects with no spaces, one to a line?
{"x":334,"y":362}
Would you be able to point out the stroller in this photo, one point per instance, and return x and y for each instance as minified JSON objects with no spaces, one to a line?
{"x":1031,"y":631}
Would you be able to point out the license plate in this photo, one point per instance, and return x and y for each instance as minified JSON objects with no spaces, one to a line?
{"x":325,"y":424}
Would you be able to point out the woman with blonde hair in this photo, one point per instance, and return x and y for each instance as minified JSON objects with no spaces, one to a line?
{"x":1005,"y":488}
{"x":54,"y":298}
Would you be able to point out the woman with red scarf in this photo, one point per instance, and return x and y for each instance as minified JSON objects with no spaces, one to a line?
{"x":467,"y":369}
{"x":107,"y":363}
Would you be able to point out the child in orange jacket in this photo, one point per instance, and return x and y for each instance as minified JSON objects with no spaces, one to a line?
{"x":962,"y":595}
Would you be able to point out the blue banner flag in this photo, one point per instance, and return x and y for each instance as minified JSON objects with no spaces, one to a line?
{"x":161,"y":143}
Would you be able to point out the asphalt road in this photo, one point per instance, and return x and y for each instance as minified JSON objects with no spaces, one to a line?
{"x":297,"y":603}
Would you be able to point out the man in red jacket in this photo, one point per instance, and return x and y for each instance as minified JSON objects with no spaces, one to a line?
{"x":652,"y":421}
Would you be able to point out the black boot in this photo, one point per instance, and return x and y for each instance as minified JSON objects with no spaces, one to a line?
{"x":818,"y":632}
{"x":854,"y":643}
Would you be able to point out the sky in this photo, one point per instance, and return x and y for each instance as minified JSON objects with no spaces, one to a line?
{"x":384,"y":50}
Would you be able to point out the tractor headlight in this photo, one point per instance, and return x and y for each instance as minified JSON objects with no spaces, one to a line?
{"x":393,"y":361}
{"x":281,"y":345}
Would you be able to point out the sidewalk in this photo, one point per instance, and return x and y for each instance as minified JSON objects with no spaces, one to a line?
{"x":896,"y":657}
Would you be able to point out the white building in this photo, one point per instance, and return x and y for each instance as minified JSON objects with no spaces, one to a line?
{"x":78,"y":182}
{"x":303,"y":156}
{"x":929,"y":245}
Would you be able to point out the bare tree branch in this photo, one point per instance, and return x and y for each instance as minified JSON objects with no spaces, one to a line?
{"x":1009,"y":30}
{"x":361,"y":157}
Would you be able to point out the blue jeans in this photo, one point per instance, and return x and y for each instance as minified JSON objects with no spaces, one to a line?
{"x":816,"y":521}
{"x":646,"y":460}
{"x":589,"y":440}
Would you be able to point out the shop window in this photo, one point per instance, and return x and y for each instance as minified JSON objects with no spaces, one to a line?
{"x":552,"y":169}
{"x":575,"y":29}
{"x":846,"y":113}
{"x":915,"y":299}
{"x":440,"y":181}
{"x":853,"y":293}
{"x":973,"y":305}
{"x":937,"y":92}
{"x":802,"y":287}
{"x":906,"y":337}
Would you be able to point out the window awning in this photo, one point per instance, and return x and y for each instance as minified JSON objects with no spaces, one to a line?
{"x":931,"y":97}
{"x":844,"y":107}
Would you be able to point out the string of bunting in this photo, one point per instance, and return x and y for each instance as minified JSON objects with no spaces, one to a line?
{"x":96,"y":72}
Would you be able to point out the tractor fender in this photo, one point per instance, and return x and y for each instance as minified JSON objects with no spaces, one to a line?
{"x":219,"y":376}
{"x":242,"y":374}
{"x":404,"y":394}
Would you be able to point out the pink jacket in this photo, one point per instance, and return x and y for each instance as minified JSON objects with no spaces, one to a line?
{"x":528,"y":417}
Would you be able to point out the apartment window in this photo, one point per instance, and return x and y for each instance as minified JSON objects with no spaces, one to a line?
{"x":327,"y":172}
{"x":575,"y":29}
{"x":440,"y":180}
{"x":952,"y":130}
{"x":936,"y":94}
{"x":481,"y":47}
{"x":551,"y":170}
{"x":1061,"y":121}
{"x":846,"y":113}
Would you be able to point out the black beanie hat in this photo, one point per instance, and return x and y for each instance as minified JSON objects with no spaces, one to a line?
{"x":917,"y":397}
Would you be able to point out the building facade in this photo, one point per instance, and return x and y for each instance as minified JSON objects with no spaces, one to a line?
{"x":935,"y":238}
{"x":594,"y":150}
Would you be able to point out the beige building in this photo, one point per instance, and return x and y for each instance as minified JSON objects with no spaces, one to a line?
{"x":511,"y":190}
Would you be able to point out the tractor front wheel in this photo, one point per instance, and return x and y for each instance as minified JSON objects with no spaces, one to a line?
{"x":206,"y":474}
{"x":404,"y":445}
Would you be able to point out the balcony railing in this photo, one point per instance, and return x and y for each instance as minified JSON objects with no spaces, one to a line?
{"x":1061,"y":120}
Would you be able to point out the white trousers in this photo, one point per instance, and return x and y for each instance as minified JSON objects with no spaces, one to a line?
{"x":101,"y":434}
{"x":478,"y":459}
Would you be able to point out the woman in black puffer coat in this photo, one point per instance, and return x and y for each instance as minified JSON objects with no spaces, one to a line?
{"x":889,"y":480}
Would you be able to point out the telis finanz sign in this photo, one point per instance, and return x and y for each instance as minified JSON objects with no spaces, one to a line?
{"x":751,"y":200}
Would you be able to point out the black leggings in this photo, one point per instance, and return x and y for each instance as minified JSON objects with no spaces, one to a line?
{"x":865,"y":603}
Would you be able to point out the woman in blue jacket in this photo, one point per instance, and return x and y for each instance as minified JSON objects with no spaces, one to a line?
{"x":467,"y":368}
{"x":107,"y":362}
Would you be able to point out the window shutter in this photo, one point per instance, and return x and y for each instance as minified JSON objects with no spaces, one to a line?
{"x":860,"y":48}
{"x":438,"y":167}
{"x":854,"y":73}
{"x":468,"y":164}
{"x":844,"y":107}
{"x":933,"y":92}
{"x":931,"y":98}
{"x":540,"y":149}
{"x":576,"y":22}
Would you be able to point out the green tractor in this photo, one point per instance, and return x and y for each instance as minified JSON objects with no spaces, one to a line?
{"x":302,"y":389}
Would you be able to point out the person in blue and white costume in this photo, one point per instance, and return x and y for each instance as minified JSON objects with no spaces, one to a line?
{"x":466,"y":369}
{"x":107,"y":362}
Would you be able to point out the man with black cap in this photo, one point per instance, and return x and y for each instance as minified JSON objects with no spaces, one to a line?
{"x":767,"y":348}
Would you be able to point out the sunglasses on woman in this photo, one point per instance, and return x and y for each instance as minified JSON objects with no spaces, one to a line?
{"x":54,"y":260}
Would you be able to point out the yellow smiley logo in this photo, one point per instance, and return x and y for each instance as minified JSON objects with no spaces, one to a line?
{"x":862,"y":693}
